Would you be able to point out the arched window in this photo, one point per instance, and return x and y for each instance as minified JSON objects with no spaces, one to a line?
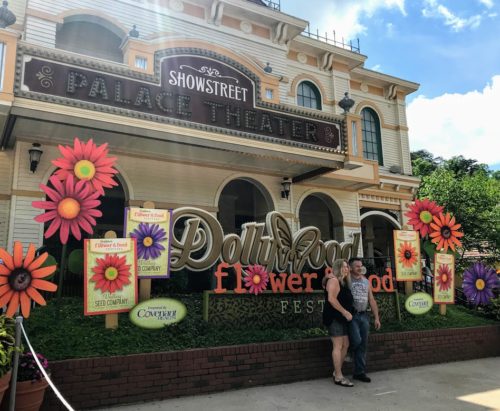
{"x":372,"y":142}
{"x":242,"y":201}
{"x":319,"y":210}
{"x":308,"y":95}
{"x":92,"y":36}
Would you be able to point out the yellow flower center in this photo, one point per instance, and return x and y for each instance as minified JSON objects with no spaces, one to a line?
{"x":111,"y":273}
{"x":256,"y":279}
{"x":480,"y":284}
{"x":84,"y":170}
{"x":444,"y":278}
{"x":68,"y":208}
{"x":147,"y":242}
{"x":426,"y":217}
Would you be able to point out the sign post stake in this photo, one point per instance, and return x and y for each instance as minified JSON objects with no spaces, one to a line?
{"x":111,"y":320}
{"x":145,"y":283}
{"x":408,"y":288}
{"x":442,"y":309}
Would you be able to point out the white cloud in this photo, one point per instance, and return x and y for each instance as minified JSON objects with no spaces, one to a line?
{"x":487,"y":3}
{"x":345,"y":16}
{"x":458,"y":124}
{"x":376,"y":67}
{"x":433,"y":9}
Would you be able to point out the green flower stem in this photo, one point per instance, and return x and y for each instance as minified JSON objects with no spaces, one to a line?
{"x":62,"y":271}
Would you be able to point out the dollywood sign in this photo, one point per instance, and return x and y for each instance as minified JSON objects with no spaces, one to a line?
{"x":271,"y":244}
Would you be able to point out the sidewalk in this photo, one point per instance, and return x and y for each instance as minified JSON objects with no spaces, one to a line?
{"x":465,"y":386}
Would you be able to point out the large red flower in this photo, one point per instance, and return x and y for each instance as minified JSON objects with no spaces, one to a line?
{"x":20,"y":278}
{"x":421,"y":214}
{"x":444,"y":232}
{"x":111,"y":273}
{"x":71,"y":207}
{"x":407,"y":255}
{"x":444,"y":277}
{"x":87,"y":162}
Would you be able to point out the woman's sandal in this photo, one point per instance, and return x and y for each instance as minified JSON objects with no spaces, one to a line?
{"x":344,"y":382}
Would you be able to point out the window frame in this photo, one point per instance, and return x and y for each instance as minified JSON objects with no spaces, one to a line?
{"x":371,"y":136}
{"x":314,"y":91}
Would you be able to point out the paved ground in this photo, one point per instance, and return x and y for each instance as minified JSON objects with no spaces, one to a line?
{"x":465,"y":386}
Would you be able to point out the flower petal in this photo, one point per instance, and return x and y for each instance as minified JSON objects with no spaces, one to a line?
{"x":36,"y":296}
{"x":30,"y":255}
{"x":38,"y":262}
{"x":7,"y":259}
{"x":13,"y":305}
{"x":25,"y":304}
{"x":43,"y":285}
{"x":43,"y":272}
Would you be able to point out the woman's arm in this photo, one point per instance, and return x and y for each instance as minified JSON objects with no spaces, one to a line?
{"x":333,"y":289}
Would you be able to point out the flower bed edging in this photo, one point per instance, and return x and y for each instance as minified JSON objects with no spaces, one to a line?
{"x":106,"y":381}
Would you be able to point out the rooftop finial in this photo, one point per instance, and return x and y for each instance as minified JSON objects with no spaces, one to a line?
{"x":346,"y":103}
{"x":7,"y":18}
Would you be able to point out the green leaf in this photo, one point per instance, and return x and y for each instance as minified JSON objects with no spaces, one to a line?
{"x":75,"y":262}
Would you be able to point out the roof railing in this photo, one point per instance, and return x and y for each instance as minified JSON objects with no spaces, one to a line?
{"x":345,"y":44}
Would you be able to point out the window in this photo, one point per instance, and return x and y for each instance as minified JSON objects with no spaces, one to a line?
{"x":2,"y":63}
{"x":308,"y":95}
{"x":372,"y":143}
{"x":141,"y":62}
{"x":91,"y":36}
{"x":269,"y":93}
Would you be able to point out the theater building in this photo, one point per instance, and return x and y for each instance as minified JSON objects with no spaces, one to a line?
{"x":228,"y":106}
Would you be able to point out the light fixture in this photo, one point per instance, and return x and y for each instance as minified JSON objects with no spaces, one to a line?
{"x":285,"y":187}
{"x":35,"y":153}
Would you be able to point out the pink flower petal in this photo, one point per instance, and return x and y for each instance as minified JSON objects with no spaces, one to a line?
{"x":75,"y":229}
{"x":78,"y":149}
{"x":98,"y":152}
{"x":52,"y":194}
{"x":54,"y":226}
{"x":46,"y":205}
{"x":67,"y":153}
{"x":64,"y":232}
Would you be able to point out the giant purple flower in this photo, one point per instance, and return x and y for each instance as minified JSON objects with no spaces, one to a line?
{"x":479,"y":282}
{"x":149,"y":238}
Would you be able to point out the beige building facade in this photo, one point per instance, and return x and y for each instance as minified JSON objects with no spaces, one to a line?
{"x":210,"y":104}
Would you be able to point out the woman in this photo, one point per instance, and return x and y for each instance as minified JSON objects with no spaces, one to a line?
{"x":336,"y":315}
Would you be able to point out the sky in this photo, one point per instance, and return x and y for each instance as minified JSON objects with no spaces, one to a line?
{"x":450,"y":47}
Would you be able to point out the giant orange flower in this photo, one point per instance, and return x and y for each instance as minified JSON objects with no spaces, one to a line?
{"x":87,"y":162}
{"x":20,"y":278}
{"x":445,"y":232}
{"x":421,"y":214}
{"x":407,"y":255}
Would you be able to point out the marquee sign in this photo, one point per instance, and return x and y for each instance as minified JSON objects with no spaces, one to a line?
{"x":192,"y":88}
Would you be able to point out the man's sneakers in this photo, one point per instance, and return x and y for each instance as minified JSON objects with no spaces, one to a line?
{"x":362,"y":377}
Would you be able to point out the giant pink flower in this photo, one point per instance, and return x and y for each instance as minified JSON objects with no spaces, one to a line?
{"x":256,"y":279}
{"x":71,"y":207}
{"x":421,"y":214}
{"x":87,"y":162}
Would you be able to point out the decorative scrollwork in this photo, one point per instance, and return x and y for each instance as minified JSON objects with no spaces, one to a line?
{"x":209,"y":72}
{"x":45,"y":77}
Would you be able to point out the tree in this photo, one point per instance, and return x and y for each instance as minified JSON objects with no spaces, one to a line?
{"x":472,"y":196}
{"x":424,"y":163}
{"x":461,"y":166}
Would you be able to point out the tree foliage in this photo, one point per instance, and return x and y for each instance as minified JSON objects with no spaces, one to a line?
{"x":467,"y":189}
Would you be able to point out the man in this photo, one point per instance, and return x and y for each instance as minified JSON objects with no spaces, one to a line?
{"x":360,"y":324}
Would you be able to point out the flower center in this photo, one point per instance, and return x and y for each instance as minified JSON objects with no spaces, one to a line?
{"x":111,"y":273}
{"x":426,"y":217}
{"x":256,"y":279}
{"x":84,"y":170}
{"x":445,"y":232}
{"x":480,"y":284}
{"x":444,"y":278}
{"x":20,"y":279}
{"x":147,"y":242}
{"x":68,"y":208}
{"x":407,"y":254}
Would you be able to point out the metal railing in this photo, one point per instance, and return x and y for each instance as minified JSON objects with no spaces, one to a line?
{"x":275,"y":5}
{"x":345,"y":44}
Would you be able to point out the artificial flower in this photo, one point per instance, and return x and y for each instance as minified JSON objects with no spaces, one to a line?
{"x":407,"y":255}
{"x":20,"y":279}
{"x":149,"y":238}
{"x":445,"y":232}
{"x":87,"y":162}
{"x":421,"y":214}
{"x":71,"y":207}
{"x":444,"y":277}
{"x":256,"y":279}
{"x":479,"y":282}
{"x":111,"y":273}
